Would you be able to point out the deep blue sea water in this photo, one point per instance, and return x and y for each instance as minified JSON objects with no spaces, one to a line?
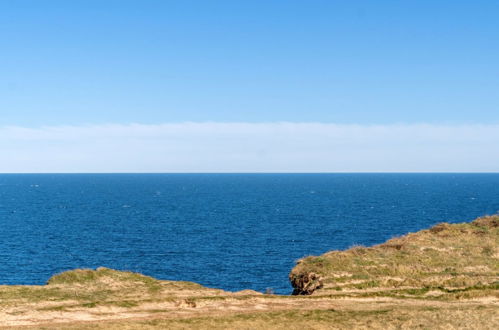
{"x":230,"y":231}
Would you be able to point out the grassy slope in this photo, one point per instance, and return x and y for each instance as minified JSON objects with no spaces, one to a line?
{"x":447,"y":257}
{"x":444,"y":277}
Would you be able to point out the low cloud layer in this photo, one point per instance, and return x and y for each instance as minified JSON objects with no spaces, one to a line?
{"x":250,"y":147}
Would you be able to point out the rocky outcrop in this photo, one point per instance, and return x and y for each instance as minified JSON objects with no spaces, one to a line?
{"x":305,"y":283}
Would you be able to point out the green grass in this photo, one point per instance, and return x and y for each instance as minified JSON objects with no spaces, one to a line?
{"x":104,"y":275}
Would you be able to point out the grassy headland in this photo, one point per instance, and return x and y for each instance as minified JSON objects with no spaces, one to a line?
{"x":443,"y":277}
{"x":449,"y":258}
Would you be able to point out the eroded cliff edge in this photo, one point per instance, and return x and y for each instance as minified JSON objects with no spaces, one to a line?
{"x":445,"y":277}
{"x":447,"y":258}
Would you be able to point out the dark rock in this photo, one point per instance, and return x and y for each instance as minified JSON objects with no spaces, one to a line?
{"x":305,"y":284}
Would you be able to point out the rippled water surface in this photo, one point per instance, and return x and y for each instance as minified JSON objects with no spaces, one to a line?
{"x":231,"y":231}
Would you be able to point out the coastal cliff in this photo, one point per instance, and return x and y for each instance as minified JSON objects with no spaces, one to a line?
{"x":445,"y":258}
{"x":445,"y":277}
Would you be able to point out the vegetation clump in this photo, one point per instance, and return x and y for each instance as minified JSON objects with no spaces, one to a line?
{"x":102,"y":275}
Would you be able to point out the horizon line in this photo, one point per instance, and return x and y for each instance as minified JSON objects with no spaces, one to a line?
{"x":270,"y":172}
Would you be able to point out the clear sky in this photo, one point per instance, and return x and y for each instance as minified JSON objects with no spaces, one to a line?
{"x":88,"y":64}
{"x":101,"y":61}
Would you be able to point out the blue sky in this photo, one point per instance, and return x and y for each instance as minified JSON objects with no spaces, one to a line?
{"x":119,"y":85}
{"x":363,"y":62}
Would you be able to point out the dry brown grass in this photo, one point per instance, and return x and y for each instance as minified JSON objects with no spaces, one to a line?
{"x":445,"y":257}
{"x":388,"y":317}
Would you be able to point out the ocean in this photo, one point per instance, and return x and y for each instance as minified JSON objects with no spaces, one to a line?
{"x":229,"y":231}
